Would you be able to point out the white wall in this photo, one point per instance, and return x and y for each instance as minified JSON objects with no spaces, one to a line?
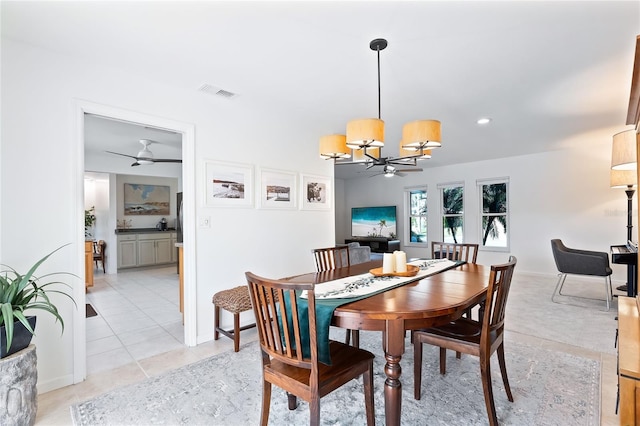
{"x":41,"y":208}
{"x":561,"y":194}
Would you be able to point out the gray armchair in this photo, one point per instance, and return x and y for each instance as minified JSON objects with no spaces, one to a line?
{"x":580,"y":262}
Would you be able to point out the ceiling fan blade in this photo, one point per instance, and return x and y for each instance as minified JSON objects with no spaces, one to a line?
{"x":165,"y":160}
{"x":409,"y":170}
{"x":124,"y":155}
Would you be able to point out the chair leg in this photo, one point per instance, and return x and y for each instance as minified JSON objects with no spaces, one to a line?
{"x":266,"y":403}
{"x":608,"y":290}
{"x":558,"y":289}
{"x":417,"y":368}
{"x":443,"y":360}
{"x":367,"y":379}
{"x":292,"y":401}
{"x":485,"y":374}
{"x":236,"y":332}
{"x":503,"y":371}
{"x":216,"y":322}
{"x":347,"y":337}
{"x":314,"y":411}
{"x":355,"y":336}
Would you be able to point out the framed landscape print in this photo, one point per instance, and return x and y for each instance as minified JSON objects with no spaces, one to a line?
{"x":146,"y":200}
{"x":228,"y":184}
{"x":315,"y":192}
{"x":277,"y":189}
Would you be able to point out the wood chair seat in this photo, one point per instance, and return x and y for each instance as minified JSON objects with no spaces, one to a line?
{"x":346,"y":361}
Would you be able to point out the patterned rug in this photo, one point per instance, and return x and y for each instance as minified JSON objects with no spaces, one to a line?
{"x":549,"y":388}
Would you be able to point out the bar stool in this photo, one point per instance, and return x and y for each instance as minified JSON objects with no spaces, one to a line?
{"x":234,"y":300}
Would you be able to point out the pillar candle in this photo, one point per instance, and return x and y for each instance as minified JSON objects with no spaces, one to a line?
{"x":388,"y":263}
{"x":401,"y":261}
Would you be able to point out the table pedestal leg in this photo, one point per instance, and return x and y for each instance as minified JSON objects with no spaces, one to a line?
{"x":393,"y":348}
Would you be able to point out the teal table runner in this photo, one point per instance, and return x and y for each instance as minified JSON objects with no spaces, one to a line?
{"x":329,"y":301}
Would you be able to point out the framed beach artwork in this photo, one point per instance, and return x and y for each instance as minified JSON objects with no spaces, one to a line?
{"x":315,"y":192}
{"x":146,"y":200}
{"x":277,"y":189}
{"x":228,"y":184}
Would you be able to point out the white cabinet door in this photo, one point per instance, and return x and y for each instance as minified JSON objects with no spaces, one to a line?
{"x":127,"y":251}
{"x":146,"y":252}
{"x":163,"y":251}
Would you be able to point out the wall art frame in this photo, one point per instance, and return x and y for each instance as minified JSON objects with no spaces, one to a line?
{"x":228,"y":184}
{"x":316,"y":192}
{"x":146,"y":200}
{"x":278,"y":189}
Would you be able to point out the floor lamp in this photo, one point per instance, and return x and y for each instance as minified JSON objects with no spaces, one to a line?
{"x":624,"y":175}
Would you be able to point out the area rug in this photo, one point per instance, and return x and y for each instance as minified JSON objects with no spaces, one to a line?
{"x":549,"y":388}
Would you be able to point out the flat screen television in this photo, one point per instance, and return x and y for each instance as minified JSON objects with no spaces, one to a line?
{"x":378,"y":221}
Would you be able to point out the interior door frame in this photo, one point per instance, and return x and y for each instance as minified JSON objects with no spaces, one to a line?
{"x":82,"y":107}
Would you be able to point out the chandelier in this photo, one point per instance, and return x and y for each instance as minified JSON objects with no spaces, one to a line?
{"x":365,"y":137}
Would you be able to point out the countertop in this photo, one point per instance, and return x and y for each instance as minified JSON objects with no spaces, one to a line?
{"x":143,"y":231}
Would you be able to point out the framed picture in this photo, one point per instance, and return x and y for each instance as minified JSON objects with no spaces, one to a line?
{"x":277,"y":189}
{"x":228,"y":184}
{"x":315,"y":192}
{"x":146,"y":200}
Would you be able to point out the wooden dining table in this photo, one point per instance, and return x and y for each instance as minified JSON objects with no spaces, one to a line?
{"x":426,"y":302}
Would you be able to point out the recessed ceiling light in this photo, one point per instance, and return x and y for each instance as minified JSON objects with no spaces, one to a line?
{"x":483,"y":120}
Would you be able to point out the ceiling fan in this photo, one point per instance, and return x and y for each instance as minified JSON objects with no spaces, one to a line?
{"x":390,"y":171}
{"x":145,"y":156}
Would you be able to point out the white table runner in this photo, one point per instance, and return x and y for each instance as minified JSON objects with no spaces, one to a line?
{"x":364,"y":284}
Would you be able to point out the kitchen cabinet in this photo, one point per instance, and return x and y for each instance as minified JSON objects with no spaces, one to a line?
{"x":154,"y":249}
{"x":127,"y":251}
{"x":146,"y":249}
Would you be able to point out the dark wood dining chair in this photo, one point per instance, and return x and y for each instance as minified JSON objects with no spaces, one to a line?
{"x":467,"y":252}
{"x":283,"y":363}
{"x":99,"y":253}
{"x":478,"y":338}
{"x":454,"y":251}
{"x":333,"y":258}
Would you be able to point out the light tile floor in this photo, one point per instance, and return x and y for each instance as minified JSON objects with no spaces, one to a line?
{"x":138,"y":317}
{"x":120,"y":355}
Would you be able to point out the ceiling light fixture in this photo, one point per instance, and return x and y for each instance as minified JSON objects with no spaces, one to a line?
{"x":144,"y":155}
{"x":483,"y":120}
{"x":366,"y":136}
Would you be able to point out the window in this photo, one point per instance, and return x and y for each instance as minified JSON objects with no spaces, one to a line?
{"x":452,"y":202}
{"x":416,"y":202}
{"x":494,"y":212}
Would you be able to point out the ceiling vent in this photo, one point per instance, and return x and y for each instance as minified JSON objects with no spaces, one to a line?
{"x":216,"y":91}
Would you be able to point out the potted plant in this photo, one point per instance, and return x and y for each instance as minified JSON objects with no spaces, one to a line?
{"x":23,"y":292}
{"x":89,"y":220}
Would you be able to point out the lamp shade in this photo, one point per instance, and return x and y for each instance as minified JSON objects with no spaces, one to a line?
{"x":334,"y":146}
{"x":365,"y":132}
{"x":421,"y":134}
{"x":623,"y":153}
{"x":426,"y":153}
{"x":360,"y":157}
{"x":623,"y":178}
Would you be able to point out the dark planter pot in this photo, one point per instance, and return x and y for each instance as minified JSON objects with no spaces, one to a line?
{"x":21,"y":337}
